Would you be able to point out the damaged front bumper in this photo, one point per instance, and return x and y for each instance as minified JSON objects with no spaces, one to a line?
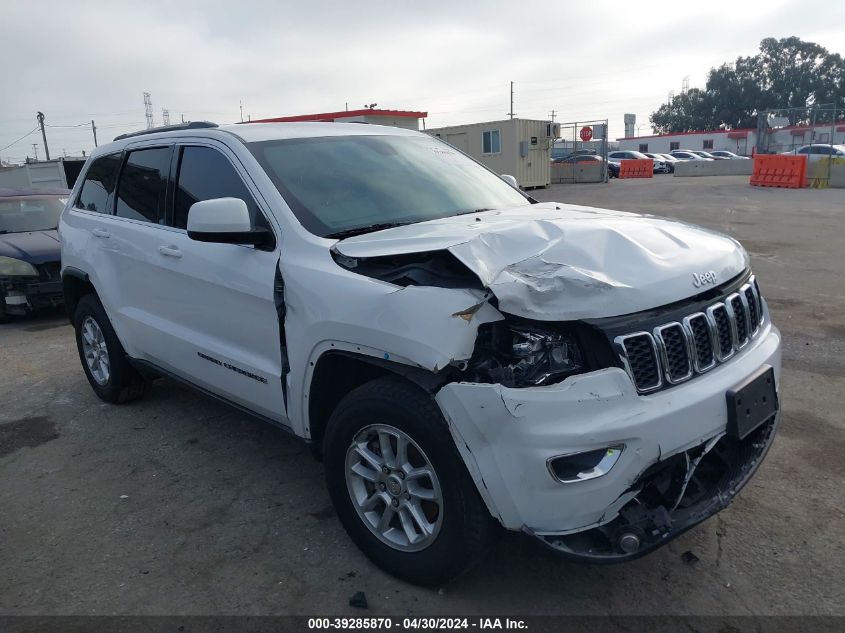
{"x":21,"y":296}
{"x":642,"y":497}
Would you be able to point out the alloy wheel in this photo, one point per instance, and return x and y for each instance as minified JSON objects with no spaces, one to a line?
{"x":95,"y":351}
{"x":394,"y":488}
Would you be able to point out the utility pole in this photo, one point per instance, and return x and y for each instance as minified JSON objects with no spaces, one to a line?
{"x":241,"y":104}
{"x":35,"y":150}
{"x":552,"y":114}
{"x":165,"y":116}
{"x":43,"y":134}
{"x":510,"y":114}
{"x":94,"y":130}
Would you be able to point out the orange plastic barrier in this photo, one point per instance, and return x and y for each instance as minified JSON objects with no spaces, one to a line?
{"x":779,"y":170}
{"x":637,"y":168}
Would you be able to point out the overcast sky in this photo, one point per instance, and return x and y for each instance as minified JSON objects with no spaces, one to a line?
{"x":80,"y":60}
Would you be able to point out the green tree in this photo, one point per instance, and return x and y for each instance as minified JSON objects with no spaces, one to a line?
{"x":786,"y":73}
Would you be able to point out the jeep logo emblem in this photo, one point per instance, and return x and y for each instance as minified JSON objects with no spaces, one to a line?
{"x":703,"y":279}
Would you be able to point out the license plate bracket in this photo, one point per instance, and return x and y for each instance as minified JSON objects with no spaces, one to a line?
{"x":752,"y":402}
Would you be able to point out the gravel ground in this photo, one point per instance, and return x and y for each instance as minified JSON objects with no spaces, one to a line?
{"x":180,"y":505}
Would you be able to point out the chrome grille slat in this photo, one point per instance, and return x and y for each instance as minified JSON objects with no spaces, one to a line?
{"x":639,"y":353}
{"x":674,"y":352}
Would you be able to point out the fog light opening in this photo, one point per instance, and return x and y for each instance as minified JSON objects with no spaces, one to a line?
{"x":585,"y":465}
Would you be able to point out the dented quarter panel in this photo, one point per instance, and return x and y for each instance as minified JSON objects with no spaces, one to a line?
{"x":329,"y":307}
{"x":564,"y":262}
{"x":506,"y":435}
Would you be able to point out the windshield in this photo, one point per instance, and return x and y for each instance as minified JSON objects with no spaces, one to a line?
{"x":30,"y":213}
{"x":339,"y":185}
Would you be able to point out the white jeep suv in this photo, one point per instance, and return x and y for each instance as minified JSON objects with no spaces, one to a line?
{"x":460,"y":356}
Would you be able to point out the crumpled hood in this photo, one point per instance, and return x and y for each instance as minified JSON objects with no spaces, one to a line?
{"x":34,"y":247}
{"x":554,"y":261}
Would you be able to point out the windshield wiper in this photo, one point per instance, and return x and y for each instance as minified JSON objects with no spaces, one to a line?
{"x":360,"y":230}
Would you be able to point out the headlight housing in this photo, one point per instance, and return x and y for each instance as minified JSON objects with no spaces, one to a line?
{"x":525,"y":355}
{"x":11,"y":267}
{"x":541,"y":356}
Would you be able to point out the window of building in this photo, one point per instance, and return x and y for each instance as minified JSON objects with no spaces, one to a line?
{"x":99,"y":184}
{"x":673,"y":145}
{"x":143,"y":184}
{"x":643,"y":147}
{"x":490,"y":143}
{"x":707,"y":144}
{"x":205,"y":174}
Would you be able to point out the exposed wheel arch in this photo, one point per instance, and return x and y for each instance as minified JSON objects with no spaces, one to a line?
{"x":338,"y":372}
{"x":75,"y":284}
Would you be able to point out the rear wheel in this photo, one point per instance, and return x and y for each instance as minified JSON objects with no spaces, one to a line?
{"x":399,"y":485}
{"x":111,"y":376}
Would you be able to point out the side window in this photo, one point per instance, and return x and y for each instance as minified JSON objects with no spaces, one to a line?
{"x":205,"y":174}
{"x":98,"y":185}
{"x":142,"y":187}
{"x":491,"y":142}
{"x":804,"y":150}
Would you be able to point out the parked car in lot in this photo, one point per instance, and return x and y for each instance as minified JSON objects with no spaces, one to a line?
{"x":707,"y":155}
{"x":670,"y":161}
{"x":612,"y":168}
{"x":685,"y":154}
{"x":817,"y":151}
{"x":462,"y":357}
{"x":659,"y":166}
{"x":29,"y":250}
{"x":662,"y":165}
{"x":723,"y":153}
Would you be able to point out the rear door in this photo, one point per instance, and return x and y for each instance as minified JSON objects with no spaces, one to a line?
{"x":126,"y":241}
{"x":217,"y":301}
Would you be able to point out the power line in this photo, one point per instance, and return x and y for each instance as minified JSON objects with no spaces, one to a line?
{"x":34,"y":130}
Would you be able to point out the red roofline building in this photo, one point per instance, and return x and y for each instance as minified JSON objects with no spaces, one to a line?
{"x":397,"y":118}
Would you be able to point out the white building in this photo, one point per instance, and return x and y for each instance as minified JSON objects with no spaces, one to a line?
{"x":517,"y":147}
{"x":741,"y":141}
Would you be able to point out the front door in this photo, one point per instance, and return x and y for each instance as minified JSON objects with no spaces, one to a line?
{"x":218,"y":300}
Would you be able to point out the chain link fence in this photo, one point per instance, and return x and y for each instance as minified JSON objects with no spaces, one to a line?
{"x":580,"y":154}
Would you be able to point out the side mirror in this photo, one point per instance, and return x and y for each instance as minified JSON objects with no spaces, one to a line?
{"x":224,"y":221}
{"x":510,"y":180}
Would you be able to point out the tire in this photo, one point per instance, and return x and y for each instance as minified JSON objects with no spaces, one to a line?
{"x":4,"y":317}
{"x":463,"y":529}
{"x":119,"y":383}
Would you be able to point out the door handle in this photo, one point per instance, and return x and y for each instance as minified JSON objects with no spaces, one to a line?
{"x":170,"y":251}
{"x":101,"y":233}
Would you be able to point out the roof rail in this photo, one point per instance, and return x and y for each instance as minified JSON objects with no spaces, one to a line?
{"x":193,"y":125}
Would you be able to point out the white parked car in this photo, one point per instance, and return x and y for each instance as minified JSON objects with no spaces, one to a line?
{"x":686,"y":154}
{"x":723,"y":153}
{"x":659,"y":166}
{"x":818,"y":151}
{"x":462,"y":358}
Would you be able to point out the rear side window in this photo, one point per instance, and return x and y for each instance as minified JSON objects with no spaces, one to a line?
{"x":98,"y":185}
{"x":142,"y":188}
{"x":205,"y":174}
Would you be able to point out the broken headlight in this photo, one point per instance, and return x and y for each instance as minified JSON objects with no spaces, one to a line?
{"x":524,"y":355}
{"x":541,"y":356}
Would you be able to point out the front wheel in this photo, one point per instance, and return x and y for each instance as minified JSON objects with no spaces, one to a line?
{"x":399,"y":485}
